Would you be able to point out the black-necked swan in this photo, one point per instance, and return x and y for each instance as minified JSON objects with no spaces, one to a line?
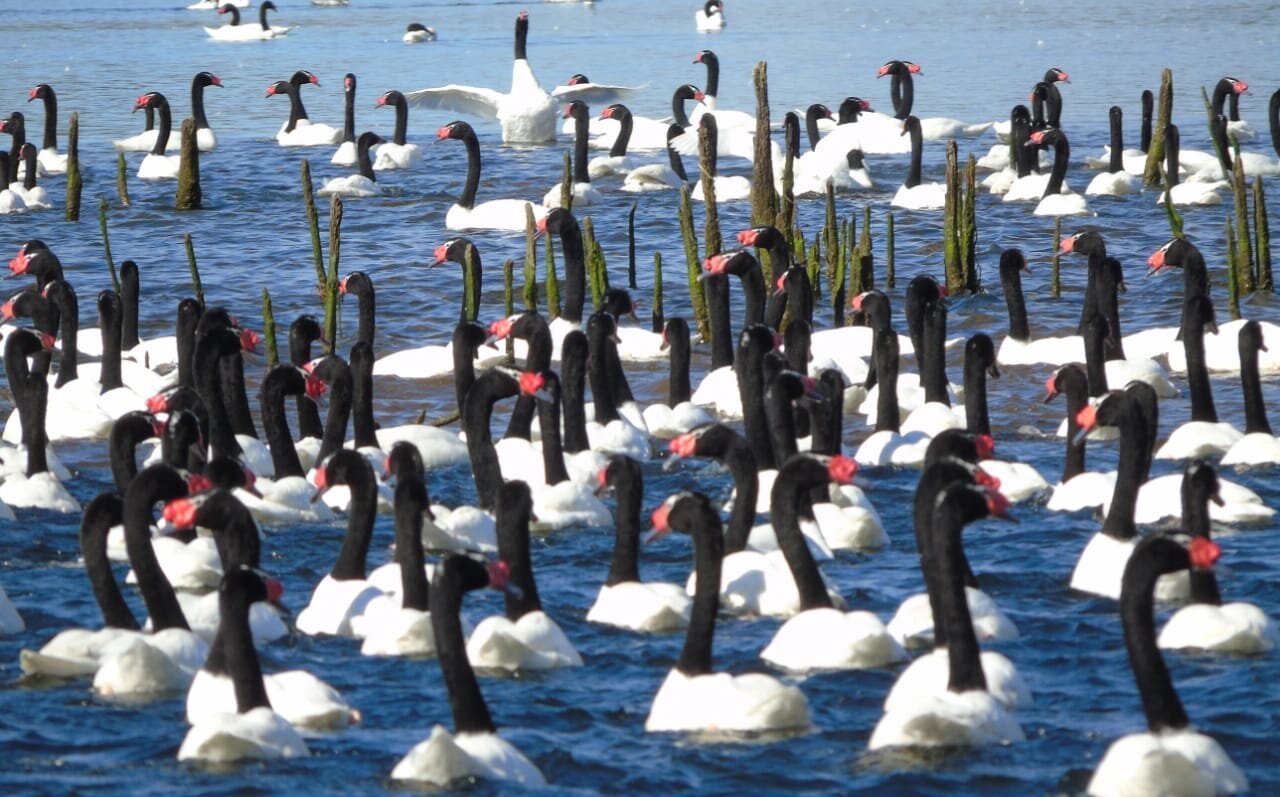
{"x":1057,"y":199}
{"x":362,"y":184}
{"x":51,"y":161}
{"x":902,"y":94}
{"x":1203,"y":435}
{"x":1168,"y":758}
{"x":580,"y":189}
{"x":36,"y":486}
{"x":10,"y":200}
{"x":346,"y":153}
{"x":495,"y":214}
{"x":914,"y":194}
{"x":524,"y":637}
{"x":474,"y":749}
{"x":693,"y":697}
{"x":710,"y":17}
{"x":1207,"y":623}
{"x":397,"y":153}
{"x":253,"y":730}
{"x":1117,"y":180}
{"x":1077,"y":488}
{"x":527,"y":112}
{"x":299,"y":130}
{"x":819,"y":637}
{"x":35,"y":197}
{"x":966,"y":713}
{"x":156,"y":165}
{"x":416,"y":33}
{"x":679,"y":414}
{"x":624,"y":600}
{"x":1189,"y":192}
{"x":236,"y":32}
{"x":1258,"y":446}
{"x":1018,"y":347}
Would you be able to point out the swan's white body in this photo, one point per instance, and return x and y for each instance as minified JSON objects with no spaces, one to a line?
{"x":1101,"y":564}
{"x":728,"y":188}
{"x":258,"y":734}
{"x":203,"y":616}
{"x":890,"y":448}
{"x":1050,"y":351}
{"x":754,"y":583}
{"x":725,"y":703}
{"x":1064,"y":204}
{"x":41,"y":491}
{"x":72,"y":653}
{"x":827,"y":639}
{"x":149,"y":664}
{"x":351,"y":185}
{"x":245,"y":32}
{"x":652,"y":177}
{"x":306,"y":133}
{"x":333,"y":605}
{"x":912,"y":624}
{"x":1160,"y":498}
{"x":1179,"y":763}
{"x":1239,"y":628}
{"x":653,"y":607}
{"x":534,"y":642}
{"x":947,"y":719}
{"x":928,"y":675}
{"x":925,"y":196}
{"x":345,"y":155}
{"x":11,"y":202}
{"x":1196,"y":439}
{"x":1221,"y":352}
{"x":1113,"y":184}
{"x":708,"y":23}
{"x":300,"y":698}
{"x":1257,"y":448}
{"x":665,"y":422}
{"x":463,"y":529}
{"x":391,"y":156}
{"x":445,"y":758}
{"x":496,"y":214}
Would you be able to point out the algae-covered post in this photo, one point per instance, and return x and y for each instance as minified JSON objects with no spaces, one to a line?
{"x":1055,"y":261}
{"x":189,"y":197}
{"x":269,"y":330}
{"x":566,"y":184}
{"x":1155,"y":152}
{"x":951,"y":222}
{"x":74,"y":181}
{"x":968,"y":224}
{"x":122,"y":179}
{"x":1262,"y":236}
{"x":1233,"y":273}
{"x":313,"y":220}
{"x":553,"y":282}
{"x":764,"y":202}
{"x":711,"y":239}
{"x":331,"y":278}
{"x":658,"y":315}
{"x":693,"y":265}
{"x":1244,"y":242}
{"x":530,"y":261}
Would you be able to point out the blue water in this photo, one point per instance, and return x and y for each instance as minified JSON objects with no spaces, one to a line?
{"x":584,"y":728}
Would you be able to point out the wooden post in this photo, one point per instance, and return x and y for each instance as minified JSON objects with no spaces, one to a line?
{"x":553,"y":282}
{"x":530,"y":261}
{"x":814,"y":263}
{"x":470,"y":290}
{"x":122,"y":179}
{"x":1055,"y":264}
{"x":197,"y":286}
{"x":659,"y":316}
{"x":631,"y":247}
{"x":864,"y":277}
{"x":313,"y":221}
{"x":764,"y":202}
{"x":831,"y":238}
{"x":1262,"y":237}
{"x":890,"y":273}
{"x":693,"y":265}
{"x":331,"y":278}
{"x":711,"y":240}
{"x":189,"y":193}
{"x":74,"y":181}
{"x":269,"y":330}
{"x":1244,"y":242}
{"x":1164,"y":114}
{"x":969,"y":228}
{"x":951,"y":222}
{"x":1233,"y":273}
{"x":597,"y":272}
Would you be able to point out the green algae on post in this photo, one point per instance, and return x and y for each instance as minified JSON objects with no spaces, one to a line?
{"x":313,"y":220}
{"x":122,"y":180}
{"x":787,"y":200}
{"x":659,"y":321}
{"x":189,"y":197}
{"x":74,"y":181}
{"x":553,"y":282}
{"x":509,"y":301}
{"x":1164,"y":115}
{"x":566,"y":185}
{"x":331,"y":278}
{"x":864,"y":276}
{"x":890,"y":275}
{"x":1262,"y":237}
{"x":951,"y":264}
{"x":968,"y":227}
{"x":831,"y":236}
{"x":693,"y":265}
{"x":597,"y":272}
{"x":470,"y":284}
{"x":269,"y":330}
{"x":764,"y":202}
{"x":1244,"y":244}
{"x":197,"y":287}
{"x":106,"y":243}
{"x":1055,"y":260}
{"x":1171,"y":212}
{"x":814,"y":266}
{"x":530,"y":290}
{"x":1233,"y":273}
{"x":712,"y":242}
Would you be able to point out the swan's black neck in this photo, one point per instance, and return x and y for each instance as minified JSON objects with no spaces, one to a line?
{"x":573,"y":359}
{"x":468,"y":336}
{"x":917,"y":152}
{"x":126,"y":433}
{"x":222,"y":441}
{"x":456,"y":575}
{"x":575,"y":270}
{"x":717,"y":291}
{"x":827,"y":414}
{"x":1061,"y":157}
{"x":956,"y":507}
{"x":262,"y":15}
{"x":283,"y":380}
{"x":166,"y":126}
{"x":234,"y":394}
{"x":532,"y":328}
{"x":795,"y":480}
{"x":63,"y":299}
{"x":1015,"y":301}
{"x":234,"y":532}
{"x":522,"y":35}
{"x":1202,"y":407}
{"x":1255,"y":409}
{"x":129,"y":292}
{"x":783,"y":389}
{"x":156,"y":483}
{"x":514,"y":510}
{"x":363,"y":160}
{"x":886,"y":355}
{"x":100,"y":515}
{"x":673,"y":157}
{"x":602,"y":387}
{"x":362,"y":423}
{"x":1117,"y":140}
{"x":1172,"y":145}
{"x":749,"y":365}
{"x":695,"y":515}
{"x":50,"y":117}
{"x":933,"y":362}
{"x":197,"y":101}
{"x":349,"y":110}
{"x":410,"y":501}
{"x":1129,"y":474}
{"x":976,"y":363}
{"x":730,"y":449}
{"x":581,"y":134}
{"x":1151,"y":559}
{"x":1094,"y":361}
{"x":361,"y":512}
{"x":553,"y":466}
{"x":679,"y":388}
{"x":625,"y":126}
{"x":1109,"y":283}
{"x":477,"y":411}
{"x":232,"y":652}
{"x":901,"y":92}
{"x":188,"y":317}
{"x":1074,"y":385}
{"x":712,"y":63}
{"x":468,"y":198}
{"x":627,"y":481}
{"x":937,"y":477}
{"x":109,"y":312}
{"x":337,"y":375}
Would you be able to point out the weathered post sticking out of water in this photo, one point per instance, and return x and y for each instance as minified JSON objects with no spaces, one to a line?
{"x":189,"y":196}
{"x":269,"y":330}
{"x":74,"y":182}
{"x":1262,"y":237}
{"x":813,"y":262}
{"x":197,"y":287}
{"x":831,"y":238}
{"x":864,"y":275}
{"x":122,"y":179}
{"x":787,"y":201}
{"x":597,"y":272}
{"x":844,"y":238}
{"x":711,"y":239}
{"x":470,"y":288}
{"x":764,"y":202}
{"x":1055,"y":261}
{"x":951,"y":215}
{"x":1244,"y":243}
{"x":659,"y":316}
{"x":631,"y":247}
{"x":530,"y":261}
{"x":509,"y":300}
{"x":1164,"y":114}
{"x":331,"y":278}
{"x":1171,"y":212}
{"x":968,"y":225}
{"x":693,"y":265}
{"x":313,"y":221}
{"x":890,"y":273}
{"x":106,"y":243}
{"x":566,"y":184}
{"x":1233,"y":273}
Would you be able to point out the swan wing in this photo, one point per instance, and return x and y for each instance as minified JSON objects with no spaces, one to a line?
{"x":593,"y":94}
{"x":461,"y":99}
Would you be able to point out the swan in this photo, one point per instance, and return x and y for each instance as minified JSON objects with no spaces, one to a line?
{"x":397,"y":153}
{"x":966,"y":713}
{"x":1057,"y":200}
{"x":10,"y":201}
{"x":235,"y":32}
{"x":156,"y":165}
{"x":298,"y":697}
{"x":582,"y":193}
{"x":624,"y":601}
{"x":356,"y":185}
{"x":36,"y":486}
{"x":50,"y":160}
{"x":527,"y":112}
{"x":474,"y":749}
{"x":902,"y":93}
{"x":913,"y":194}
{"x":254,"y":730}
{"x":623,"y":131}
{"x":344,"y":592}
{"x":1191,"y":192}
{"x":1116,"y":180}
{"x":1169,"y":758}
{"x":819,"y":637}
{"x":710,"y":17}
{"x":1203,"y":435}
{"x":299,"y":130}
{"x":659,"y":176}
{"x":1078,"y":489}
{"x":887,"y":445}
{"x":1258,"y":446}
{"x":846,"y":170}
{"x":346,"y":154}
{"x":496,"y":214}
{"x":679,"y":415}
{"x":33,"y":197}
{"x":417,"y":33}
{"x":727,"y":188}
{"x":1018,"y":347}
{"x":214,"y":5}
{"x":1207,"y":623}
{"x":142,"y":142}
{"x":524,"y":638}
{"x":692,"y":697}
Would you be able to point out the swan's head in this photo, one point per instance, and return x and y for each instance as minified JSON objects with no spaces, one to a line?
{"x":706,"y":56}
{"x":998,"y":504}
{"x":349,"y":83}
{"x":456,"y":129}
{"x":152,"y":99}
{"x":1057,"y":75}
{"x":1238,"y":86}
{"x":615,"y":111}
{"x":533,"y":383}
{"x":279,"y":87}
{"x":40,"y":92}
{"x":1204,"y":553}
{"x":841,"y":469}
{"x":578,"y":80}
